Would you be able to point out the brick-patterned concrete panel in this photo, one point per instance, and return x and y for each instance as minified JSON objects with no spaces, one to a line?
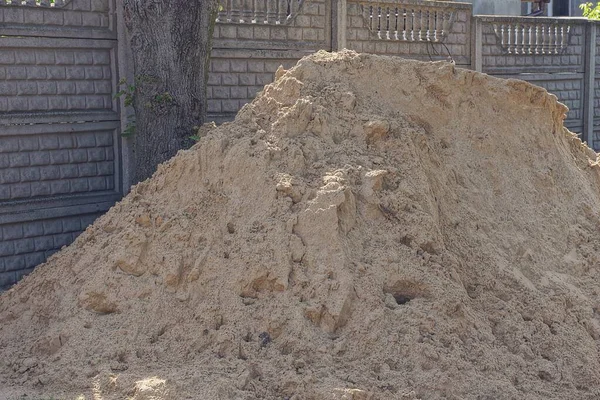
{"x":456,"y":44}
{"x":55,"y":164}
{"x":55,"y":79}
{"x":595,"y":140}
{"x":597,"y":58}
{"x":25,"y":245}
{"x":597,"y":97}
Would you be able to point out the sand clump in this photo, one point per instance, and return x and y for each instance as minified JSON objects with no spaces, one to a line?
{"x":367,"y":228}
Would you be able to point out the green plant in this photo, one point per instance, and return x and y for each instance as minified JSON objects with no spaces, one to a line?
{"x":197,"y":134}
{"x":159,"y":101}
{"x":129,"y":128}
{"x":201,"y":131}
{"x":590,"y":10}
{"x":128,"y":91}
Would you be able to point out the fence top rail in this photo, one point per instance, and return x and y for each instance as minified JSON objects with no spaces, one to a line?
{"x":532,"y":20}
{"x":35,"y":3}
{"x":415,"y":3}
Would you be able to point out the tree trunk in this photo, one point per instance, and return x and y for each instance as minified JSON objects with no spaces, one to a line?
{"x":170,"y":45}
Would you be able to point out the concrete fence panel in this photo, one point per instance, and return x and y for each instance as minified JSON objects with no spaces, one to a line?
{"x":59,"y":126}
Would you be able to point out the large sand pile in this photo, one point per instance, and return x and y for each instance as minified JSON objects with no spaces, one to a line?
{"x":367,"y":228}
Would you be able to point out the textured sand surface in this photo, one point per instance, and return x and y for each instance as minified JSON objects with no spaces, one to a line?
{"x":367,"y":228}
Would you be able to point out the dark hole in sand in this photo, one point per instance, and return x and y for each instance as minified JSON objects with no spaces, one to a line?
{"x":401,"y":299}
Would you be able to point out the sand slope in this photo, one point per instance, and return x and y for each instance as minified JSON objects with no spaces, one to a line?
{"x":367,"y":228}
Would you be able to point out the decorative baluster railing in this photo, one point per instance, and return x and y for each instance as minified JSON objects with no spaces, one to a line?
{"x":260,"y":12}
{"x":282,"y":11}
{"x":419,"y":27}
{"x":408,"y":24}
{"x":247,"y":12}
{"x":518,"y":39}
{"x":416,"y":23}
{"x":387,"y":22}
{"x":523,"y":33}
{"x":392,"y":16}
{"x":448,"y":18}
{"x":411,"y":25}
{"x":271,"y":11}
{"x":401,"y":24}
{"x":379,"y":25}
{"x":509,"y":39}
{"x":381,"y":21}
{"x":392,"y":31}
{"x":375,"y":19}
{"x":564,"y":37}
{"x":532,"y":37}
{"x":544,"y":40}
{"x":235,"y":11}
{"x":430,"y":33}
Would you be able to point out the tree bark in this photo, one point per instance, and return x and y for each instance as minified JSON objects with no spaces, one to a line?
{"x":170,"y":45}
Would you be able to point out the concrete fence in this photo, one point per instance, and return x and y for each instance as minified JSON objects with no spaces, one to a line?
{"x":60,"y":146}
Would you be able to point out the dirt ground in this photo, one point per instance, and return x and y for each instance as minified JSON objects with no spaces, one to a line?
{"x":367,"y":228}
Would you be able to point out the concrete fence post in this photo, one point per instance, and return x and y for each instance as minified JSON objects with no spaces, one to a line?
{"x":340,"y":18}
{"x":476,"y":44}
{"x":125,"y":67}
{"x":589,"y":80}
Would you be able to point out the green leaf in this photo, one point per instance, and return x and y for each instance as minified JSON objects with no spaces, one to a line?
{"x":590,"y":10}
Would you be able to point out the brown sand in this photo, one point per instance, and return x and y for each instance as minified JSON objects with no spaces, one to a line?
{"x":367,"y":228}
